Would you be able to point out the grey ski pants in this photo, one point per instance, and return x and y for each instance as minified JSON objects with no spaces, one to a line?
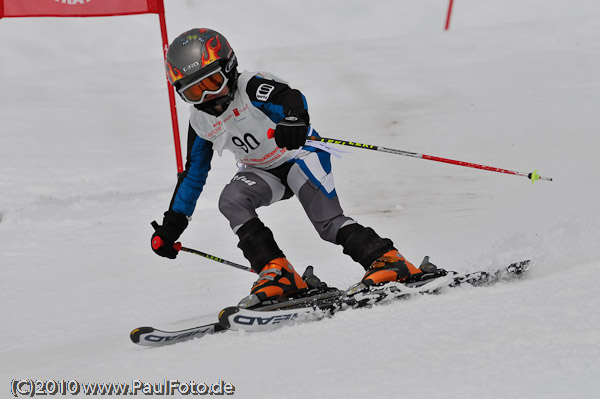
{"x":309,"y":178}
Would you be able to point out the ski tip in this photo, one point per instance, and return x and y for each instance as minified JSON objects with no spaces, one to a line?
{"x":225,"y":314}
{"x":519,"y":268}
{"x":135,"y":335}
{"x":523,"y":263}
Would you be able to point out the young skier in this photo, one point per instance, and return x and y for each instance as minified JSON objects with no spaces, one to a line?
{"x":234,"y":111}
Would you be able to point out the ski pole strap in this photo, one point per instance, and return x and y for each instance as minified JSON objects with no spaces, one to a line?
{"x":533,"y":176}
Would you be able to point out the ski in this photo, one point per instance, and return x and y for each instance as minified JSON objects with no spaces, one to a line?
{"x":150,"y":336}
{"x":323,"y":301}
{"x":270,"y":317}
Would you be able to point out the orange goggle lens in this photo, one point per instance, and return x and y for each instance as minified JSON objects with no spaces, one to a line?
{"x":212,"y":83}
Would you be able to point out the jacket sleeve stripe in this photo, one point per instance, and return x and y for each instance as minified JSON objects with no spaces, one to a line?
{"x":191,"y":182}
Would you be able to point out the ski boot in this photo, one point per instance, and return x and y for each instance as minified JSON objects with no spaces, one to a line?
{"x":392,"y":266}
{"x":277,"y":281}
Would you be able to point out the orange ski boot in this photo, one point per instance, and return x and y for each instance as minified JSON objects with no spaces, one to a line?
{"x":276,"y":281}
{"x":391,"y":266}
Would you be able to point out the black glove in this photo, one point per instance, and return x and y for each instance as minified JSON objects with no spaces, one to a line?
{"x":291,"y":132}
{"x":164,"y":237}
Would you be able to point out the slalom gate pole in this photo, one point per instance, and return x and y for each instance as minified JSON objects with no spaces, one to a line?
{"x":449,"y":15}
{"x":158,"y":242}
{"x":533,"y":176}
{"x":170,"y":91}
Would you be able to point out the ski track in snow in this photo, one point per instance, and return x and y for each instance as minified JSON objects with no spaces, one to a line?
{"x":87,"y":163}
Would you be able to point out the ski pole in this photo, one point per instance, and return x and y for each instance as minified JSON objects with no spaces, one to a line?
{"x":533,"y":176}
{"x":158,"y":242}
{"x":179,"y":247}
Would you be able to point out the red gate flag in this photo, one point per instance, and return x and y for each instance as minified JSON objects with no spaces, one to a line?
{"x":100,"y":8}
{"x":77,"y":8}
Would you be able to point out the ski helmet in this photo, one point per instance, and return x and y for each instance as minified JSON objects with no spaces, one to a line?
{"x":200,"y":62}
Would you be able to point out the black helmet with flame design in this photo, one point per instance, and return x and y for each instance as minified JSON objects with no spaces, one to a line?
{"x":200,"y":62}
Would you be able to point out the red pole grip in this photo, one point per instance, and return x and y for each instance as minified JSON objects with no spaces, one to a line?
{"x":158,"y":242}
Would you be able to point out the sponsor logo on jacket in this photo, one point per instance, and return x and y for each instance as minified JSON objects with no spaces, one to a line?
{"x":264,"y":91}
{"x":237,"y":114}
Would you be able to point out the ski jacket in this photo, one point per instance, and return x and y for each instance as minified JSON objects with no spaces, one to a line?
{"x":260,"y":102}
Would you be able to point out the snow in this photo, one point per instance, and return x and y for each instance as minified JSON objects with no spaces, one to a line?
{"x":87,"y":163}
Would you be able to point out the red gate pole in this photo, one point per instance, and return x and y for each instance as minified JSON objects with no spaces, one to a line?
{"x":449,"y":14}
{"x":177,"y":142}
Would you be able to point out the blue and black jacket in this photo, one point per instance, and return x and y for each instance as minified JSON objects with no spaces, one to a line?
{"x":282,"y":101}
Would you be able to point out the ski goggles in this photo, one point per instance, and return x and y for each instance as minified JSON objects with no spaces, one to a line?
{"x":196,"y":90}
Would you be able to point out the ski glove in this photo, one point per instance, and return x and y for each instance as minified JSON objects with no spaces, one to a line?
{"x":174,"y":224}
{"x":291,"y":132}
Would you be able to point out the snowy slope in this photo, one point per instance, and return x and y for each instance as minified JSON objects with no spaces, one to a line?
{"x":86,"y":161}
